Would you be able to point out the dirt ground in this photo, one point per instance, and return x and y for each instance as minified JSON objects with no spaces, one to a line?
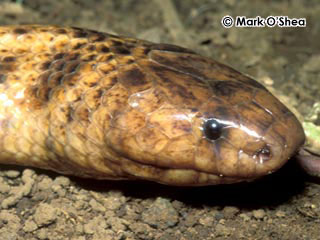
{"x":37,"y":204}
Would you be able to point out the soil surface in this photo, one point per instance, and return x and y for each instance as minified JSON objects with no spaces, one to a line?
{"x":36,"y":204}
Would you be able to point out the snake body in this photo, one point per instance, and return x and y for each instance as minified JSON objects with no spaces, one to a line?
{"x":97,"y":105}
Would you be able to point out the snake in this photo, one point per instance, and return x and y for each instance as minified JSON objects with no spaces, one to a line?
{"x":97,"y":105}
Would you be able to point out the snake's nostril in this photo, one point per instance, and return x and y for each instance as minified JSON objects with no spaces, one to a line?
{"x":263,"y":154}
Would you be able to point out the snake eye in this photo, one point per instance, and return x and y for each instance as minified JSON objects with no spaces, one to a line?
{"x":212,"y":129}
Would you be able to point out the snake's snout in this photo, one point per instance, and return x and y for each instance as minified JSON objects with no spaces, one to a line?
{"x":249,"y":137}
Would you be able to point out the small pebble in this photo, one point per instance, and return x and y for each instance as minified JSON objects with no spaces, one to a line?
{"x":4,"y":187}
{"x":12,"y":174}
{"x":97,"y":206}
{"x":9,"y":221}
{"x":259,"y":214}
{"x":139,"y":228}
{"x":218,"y":216}
{"x":245,"y":217}
{"x":206,"y":221}
{"x":63,"y":181}
{"x":190,"y":220}
{"x":161,"y":214}
{"x":113,"y":203}
{"x":59,"y":190}
{"x":45,"y":184}
{"x":97,"y":224}
{"x":117,"y":224}
{"x":42,"y":234}
{"x":79,"y":229}
{"x":280,"y":214}
{"x":30,"y":226}
{"x":266,"y":80}
{"x":230,"y":212}
{"x":45,"y":214}
{"x":222,"y":230}
{"x":18,"y":192}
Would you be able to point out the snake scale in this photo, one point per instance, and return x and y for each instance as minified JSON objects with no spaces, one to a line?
{"x":96,"y":105}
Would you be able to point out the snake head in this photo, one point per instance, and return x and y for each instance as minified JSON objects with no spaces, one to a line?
{"x":202,"y":123}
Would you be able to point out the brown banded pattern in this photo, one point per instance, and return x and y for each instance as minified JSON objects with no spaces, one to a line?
{"x":97,"y":105}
